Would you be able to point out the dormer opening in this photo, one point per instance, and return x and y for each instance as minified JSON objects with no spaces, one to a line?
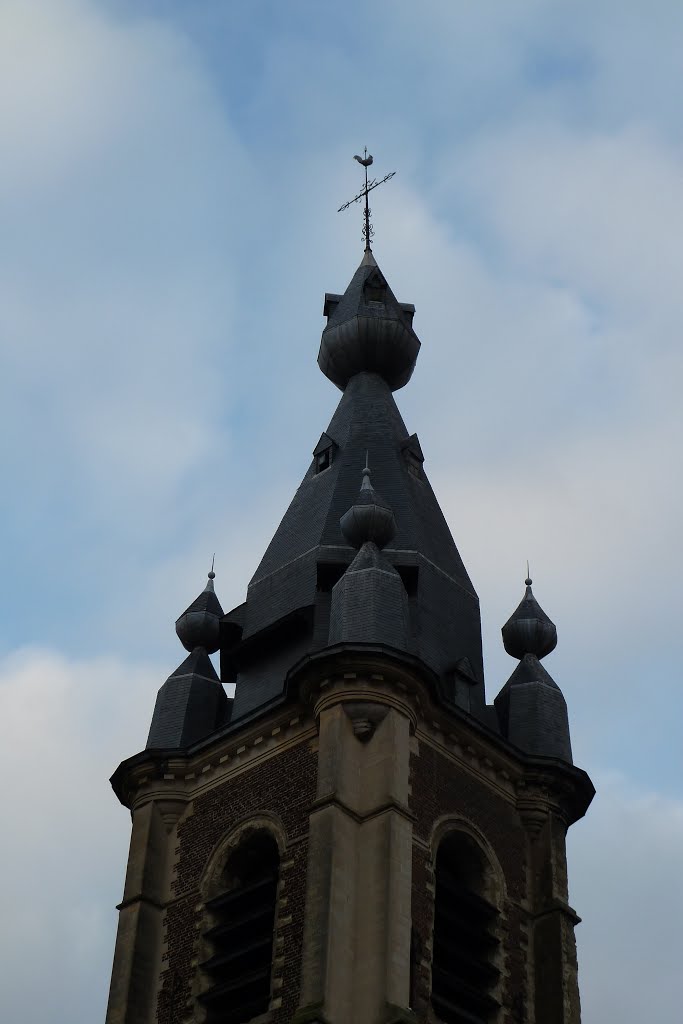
{"x":323,"y":460}
{"x":409,"y":576}
{"x":413,"y":463}
{"x":375,"y":290}
{"x":413,"y":457}
{"x":323,"y":454}
{"x":329,"y":573}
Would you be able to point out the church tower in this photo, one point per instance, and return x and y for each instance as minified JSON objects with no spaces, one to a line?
{"x":355,"y":835}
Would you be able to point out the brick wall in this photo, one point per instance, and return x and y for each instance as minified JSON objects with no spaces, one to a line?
{"x":284,"y":785}
{"x":440,"y":788}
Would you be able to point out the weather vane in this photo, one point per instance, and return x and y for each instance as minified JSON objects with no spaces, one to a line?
{"x":365,"y":161}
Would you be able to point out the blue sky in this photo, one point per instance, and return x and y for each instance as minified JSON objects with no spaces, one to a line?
{"x":168,"y":194}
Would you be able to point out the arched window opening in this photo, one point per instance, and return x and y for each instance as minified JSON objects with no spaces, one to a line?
{"x":241,"y":935}
{"x":464,"y":971}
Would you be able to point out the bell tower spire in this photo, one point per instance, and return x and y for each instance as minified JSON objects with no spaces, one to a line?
{"x":354,"y":834}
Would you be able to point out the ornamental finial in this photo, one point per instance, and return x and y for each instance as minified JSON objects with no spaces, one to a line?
{"x":366,"y":161}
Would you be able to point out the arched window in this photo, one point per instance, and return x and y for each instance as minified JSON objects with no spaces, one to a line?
{"x":464,"y":971}
{"x":241,"y":933}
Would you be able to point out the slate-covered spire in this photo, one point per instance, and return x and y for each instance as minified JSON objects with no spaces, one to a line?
{"x":192,"y":703}
{"x":531,"y":709}
{"x":369,"y":603}
{"x":369,"y":350}
{"x":368,"y":330}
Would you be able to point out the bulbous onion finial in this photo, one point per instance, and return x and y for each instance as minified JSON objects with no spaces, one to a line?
{"x":529,"y":630}
{"x":199,"y":625}
{"x":370,"y":518}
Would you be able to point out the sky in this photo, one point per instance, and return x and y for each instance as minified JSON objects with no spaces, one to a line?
{"x":169,"y":185}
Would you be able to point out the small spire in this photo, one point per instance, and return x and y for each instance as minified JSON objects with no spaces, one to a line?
{"x":366,"y":484}
{"x":199,"y":624}
{"x":370,"y":518}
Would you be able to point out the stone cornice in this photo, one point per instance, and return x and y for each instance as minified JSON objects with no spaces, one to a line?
{"x":550,"y":786}
{"x":352,"y":676}
{"x":177,"y":775}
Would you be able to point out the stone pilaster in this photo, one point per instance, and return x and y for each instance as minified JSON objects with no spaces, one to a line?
{"x":137,"y":954}
{"x":553,"y":946}
{"x":356,"y":959}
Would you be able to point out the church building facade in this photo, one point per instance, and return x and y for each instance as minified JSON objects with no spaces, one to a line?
{"x":356,"y":835}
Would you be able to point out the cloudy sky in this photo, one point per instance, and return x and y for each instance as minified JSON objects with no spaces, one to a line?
{"x":169,"y":180}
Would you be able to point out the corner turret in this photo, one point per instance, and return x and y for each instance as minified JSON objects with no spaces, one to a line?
{"x":369,"y":602}
{"x":531,"y":709}
{"x":192,"y":703}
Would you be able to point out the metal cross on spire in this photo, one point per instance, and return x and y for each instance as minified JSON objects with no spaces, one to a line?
{"x":365,"y":161}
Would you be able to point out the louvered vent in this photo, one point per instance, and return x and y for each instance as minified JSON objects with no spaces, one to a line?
{"x":241,"y":936}
{"x":464,"y":971}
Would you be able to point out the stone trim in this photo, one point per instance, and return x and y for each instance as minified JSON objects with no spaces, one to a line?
{"x":182,"y":777}
{"x":391,"y":805}
{"x":475,"y":758}
{"x":140,"y":898}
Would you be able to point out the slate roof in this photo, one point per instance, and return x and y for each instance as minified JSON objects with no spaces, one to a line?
{"x":190,"y":705}
{"x":366,"y":420}
{"x":532,"y":711}
{"x":313,"y":595}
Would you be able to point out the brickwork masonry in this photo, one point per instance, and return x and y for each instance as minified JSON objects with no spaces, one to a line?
{"x":284,"y":786}
{"x":440,"y":788}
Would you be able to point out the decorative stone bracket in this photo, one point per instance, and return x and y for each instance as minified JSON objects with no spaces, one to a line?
{"x":365,"y":716}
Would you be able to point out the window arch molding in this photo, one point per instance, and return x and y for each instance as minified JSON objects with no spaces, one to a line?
{"x":451,"y":823}
{"x":264,"y":830}
{"x":241,"y":831}
{"x":469,"y":897}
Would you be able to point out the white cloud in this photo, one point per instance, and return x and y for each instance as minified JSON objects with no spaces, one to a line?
{"x":117,"y":159}
{"x":67,"y":724}
{"x":624,"y":872}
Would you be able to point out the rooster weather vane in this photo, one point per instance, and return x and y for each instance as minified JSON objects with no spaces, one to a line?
{"x":368,"y":230}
